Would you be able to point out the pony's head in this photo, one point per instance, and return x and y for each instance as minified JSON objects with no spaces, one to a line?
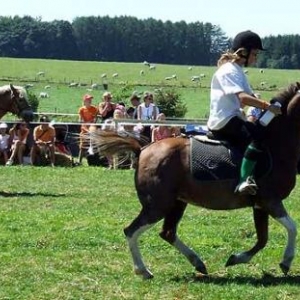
{"x":288,"y":98}
{"x":17,"y":103}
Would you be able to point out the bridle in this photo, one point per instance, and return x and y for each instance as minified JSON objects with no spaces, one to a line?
{"x":18,"y":103}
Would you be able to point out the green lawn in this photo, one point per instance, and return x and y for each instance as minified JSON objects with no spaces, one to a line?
{"x":63,"y":99}
{"x":61,"y":238}
{"x":61,"y":234}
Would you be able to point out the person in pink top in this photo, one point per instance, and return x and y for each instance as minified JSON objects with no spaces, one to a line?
{"x":161,"y":131}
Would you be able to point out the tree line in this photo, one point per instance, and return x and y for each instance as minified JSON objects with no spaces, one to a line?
{"x":128,"y":39}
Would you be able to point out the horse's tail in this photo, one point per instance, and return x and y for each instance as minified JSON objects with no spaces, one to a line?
{"x":109,"y":142}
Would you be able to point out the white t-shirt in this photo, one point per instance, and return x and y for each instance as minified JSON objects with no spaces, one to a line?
{"x":4,"y":141}
{"x":227,"y":81}
{"x":147,"y":113}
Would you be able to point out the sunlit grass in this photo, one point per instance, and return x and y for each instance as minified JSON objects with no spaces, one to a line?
{"x":61,"y":237}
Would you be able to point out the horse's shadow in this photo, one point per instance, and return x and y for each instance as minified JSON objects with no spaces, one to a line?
{"x":28,"y":194}
{"x":266,"y":280}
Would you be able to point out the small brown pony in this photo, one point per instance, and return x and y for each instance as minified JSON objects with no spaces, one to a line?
{"x":165,"y":186}
{"x":14,"y":99}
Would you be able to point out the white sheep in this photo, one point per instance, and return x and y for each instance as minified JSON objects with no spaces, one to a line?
{"x":44,"y":95}
{"x":104,"y":75}
{"x":190,"y":68}
{"x":142,"y":73}
{"x":28,"y":85}
{"x":40,"y":73}
{"x":261,"y":71}
{"x":73,"y":84}
{"x":195,"y":78}
{"x":146,"y":63}
{"x":115,"y":75}
{"x":94,"y":86}
{"x":152,"y":67}
{"x":47,"y":87}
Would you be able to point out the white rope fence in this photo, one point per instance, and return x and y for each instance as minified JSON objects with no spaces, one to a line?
{"x":169,"y":122}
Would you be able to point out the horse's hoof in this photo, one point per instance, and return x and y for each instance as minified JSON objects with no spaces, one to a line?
{"x":146,"y":274}
{"x":232,"y":260}
{"x":285,"y":269}
{"x":201,"y":269}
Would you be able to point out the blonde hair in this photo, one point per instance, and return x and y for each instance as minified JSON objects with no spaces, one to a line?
{"x":106,"y":94}
{"x":231,"y":56}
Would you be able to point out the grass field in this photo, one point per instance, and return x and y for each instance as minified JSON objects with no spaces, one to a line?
{"x":63,"y":99}
{"x":61,"y":228}
{"x":61,"y":238}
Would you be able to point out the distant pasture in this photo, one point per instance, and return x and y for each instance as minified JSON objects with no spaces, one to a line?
{"x":65,"y":82}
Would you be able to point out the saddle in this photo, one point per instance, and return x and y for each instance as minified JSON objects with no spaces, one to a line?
{"x":217,"y":160}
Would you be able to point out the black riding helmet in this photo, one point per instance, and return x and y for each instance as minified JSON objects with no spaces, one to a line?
{"x":248,"y":40}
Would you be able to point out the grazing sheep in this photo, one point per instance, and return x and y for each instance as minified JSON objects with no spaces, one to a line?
{"x":202,"y":75}
{"x":190,"y":68}
{"x":152,"y":67}
{"x":47,"y":87}
{"x":261,"y":71}
{"x":44,"y":95}
{"x":115,"y":75}
{"x":104,"y":75}
{"x":146,"y":63}
{"x":28,"y":85}
{"x":142,"y":73}
{"x":195,"y":78}
{"x":246,"y":71}
{"x":73,"y":84}
{"x":94,"y":86}
{"x":40,"y":73}
{"x":174,"y":76}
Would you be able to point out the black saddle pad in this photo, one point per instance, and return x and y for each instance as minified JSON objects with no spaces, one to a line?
{"x":213,"y":161}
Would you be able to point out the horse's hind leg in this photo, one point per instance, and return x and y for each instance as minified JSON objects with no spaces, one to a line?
{"x":139,"y":225}
{"x":261,"y":221}
{"x":279,"y":213}
{"x":169,"y":234}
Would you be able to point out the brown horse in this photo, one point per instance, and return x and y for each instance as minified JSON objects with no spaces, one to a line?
{"x":165,"y":186}
{"x":14,"y":99}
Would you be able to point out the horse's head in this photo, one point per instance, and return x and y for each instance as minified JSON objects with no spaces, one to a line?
{"x":19,"y":103}
{"x":289,"y":100}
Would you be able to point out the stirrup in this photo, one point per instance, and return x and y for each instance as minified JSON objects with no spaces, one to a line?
{"x":247,"y":187}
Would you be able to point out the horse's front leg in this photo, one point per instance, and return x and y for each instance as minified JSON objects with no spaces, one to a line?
{"x":261,"y":219}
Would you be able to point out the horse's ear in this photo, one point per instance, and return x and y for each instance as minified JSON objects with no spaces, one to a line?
{"x":13,"y":89}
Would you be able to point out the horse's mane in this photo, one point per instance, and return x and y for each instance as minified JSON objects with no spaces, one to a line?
{"x":285,"y":96}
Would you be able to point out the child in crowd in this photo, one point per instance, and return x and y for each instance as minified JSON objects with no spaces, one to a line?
{"x":4,"y":142}
{"x":161,"y":131}
{"x":87,"y":114}
{"x":18,"y":137}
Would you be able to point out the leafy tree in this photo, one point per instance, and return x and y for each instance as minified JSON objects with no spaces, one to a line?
{"x":33,"y":101}
{"x":170,"y":104}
